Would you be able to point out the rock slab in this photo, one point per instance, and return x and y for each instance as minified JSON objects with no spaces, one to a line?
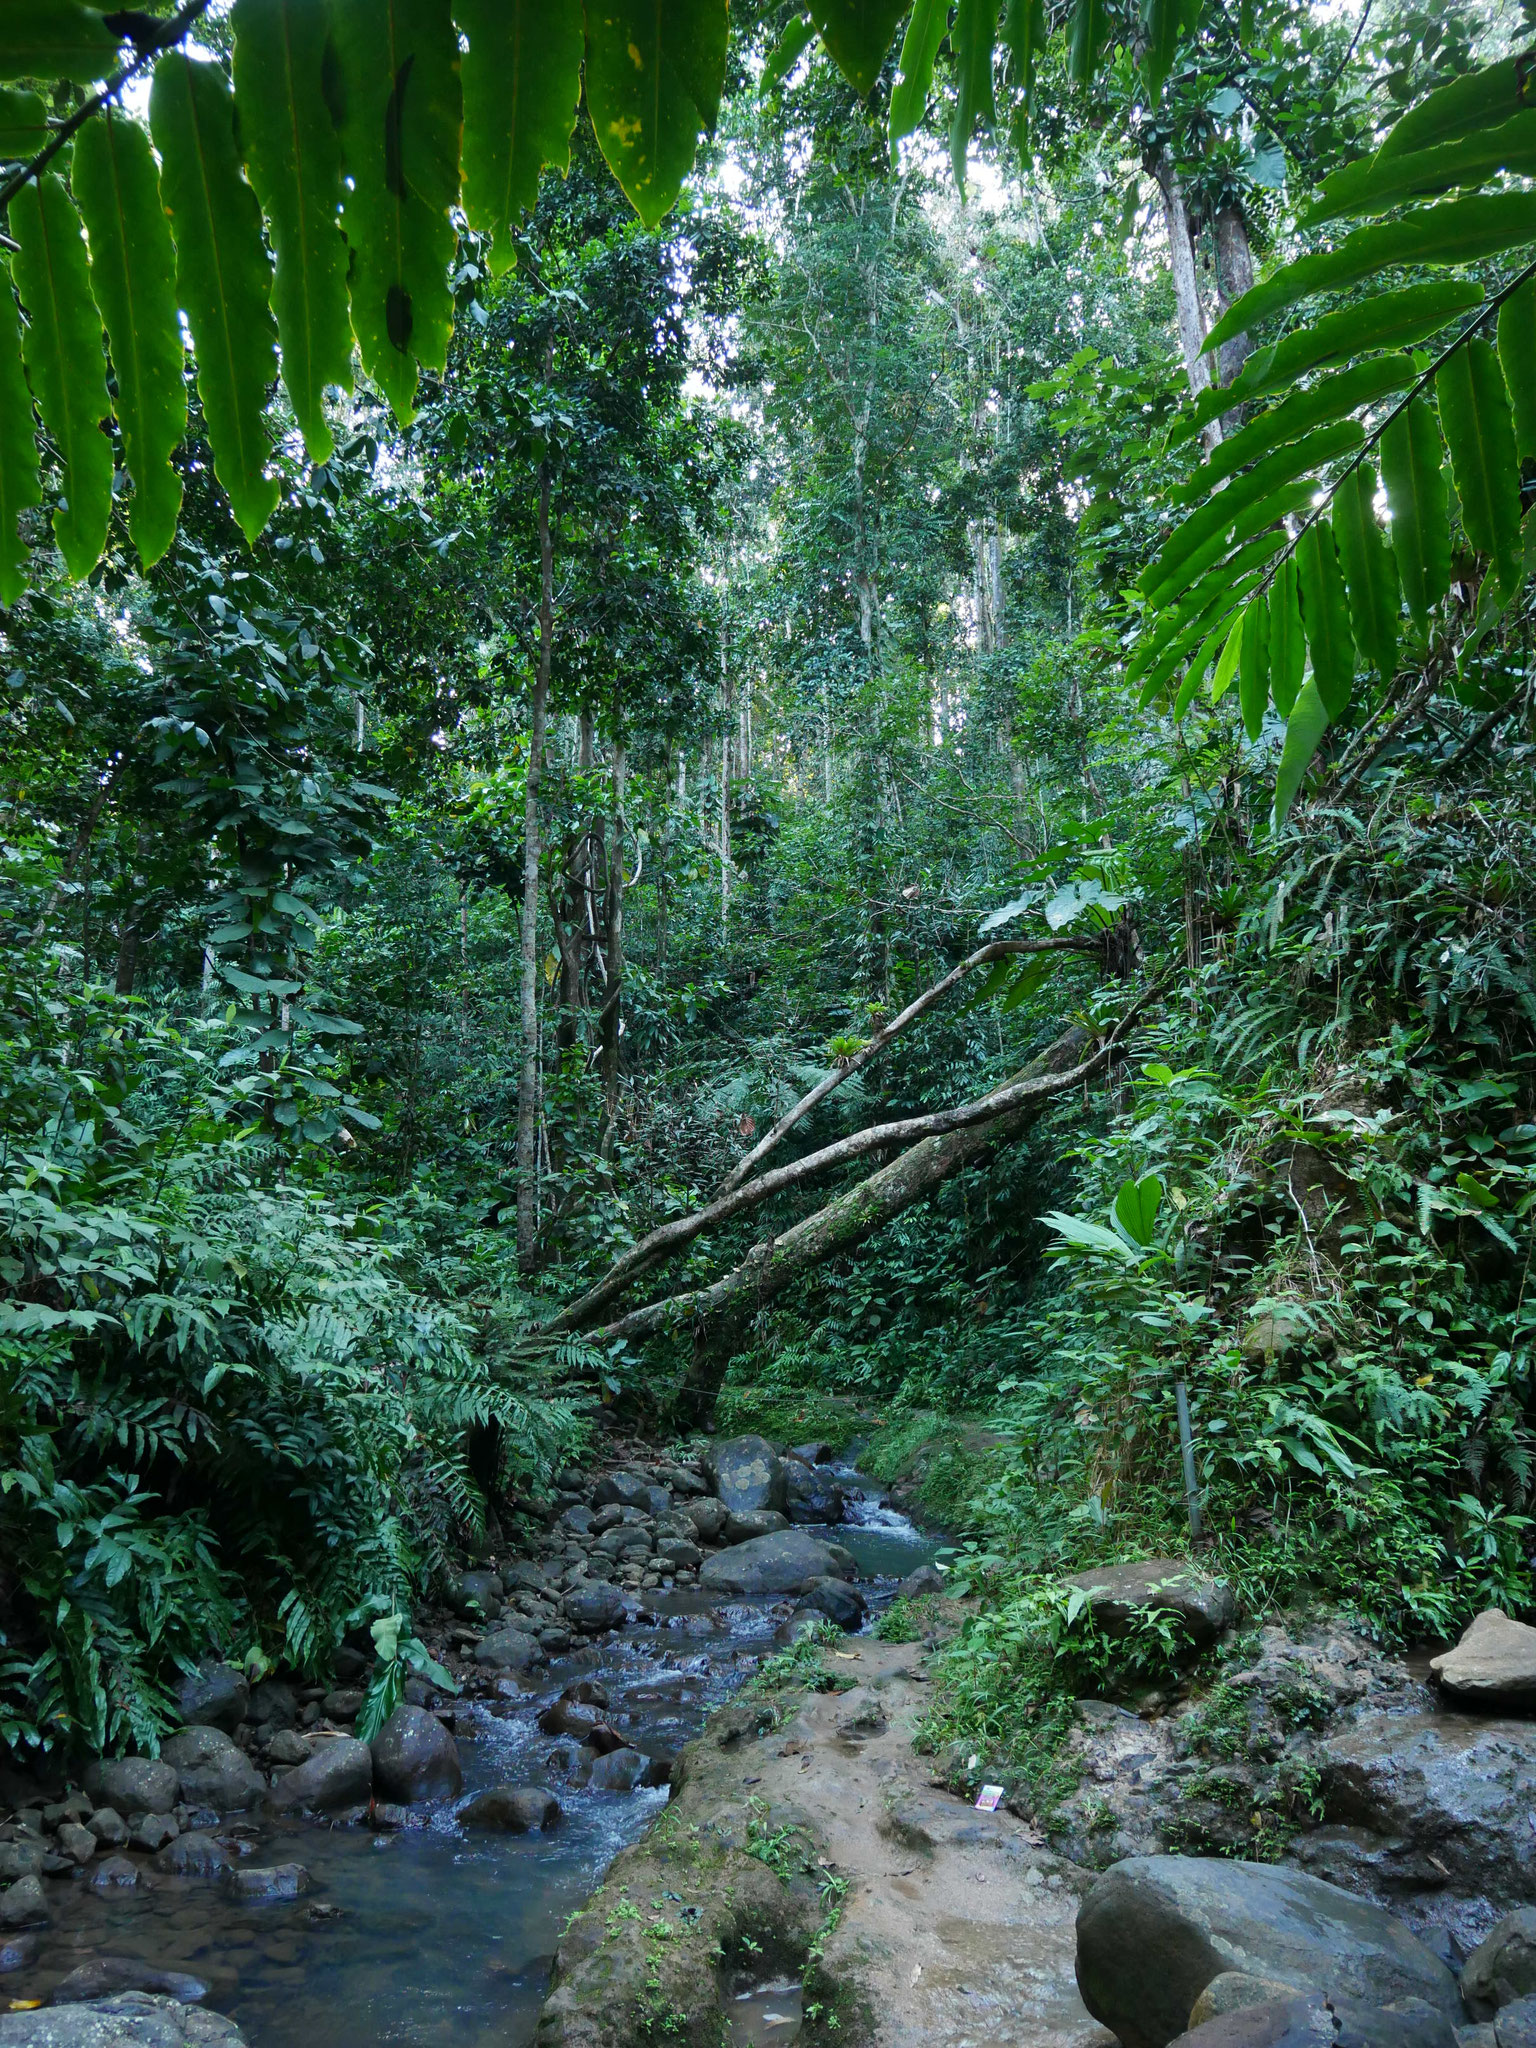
{"x":1502,"y":1967}
{"x":1321,"y":2020}
{"x":339,"y":1774}
{"x":788,"y":1562}
{"x":1494,"y":1664}
{"x":134,"y":2019}
{"x":1117,"y":1593}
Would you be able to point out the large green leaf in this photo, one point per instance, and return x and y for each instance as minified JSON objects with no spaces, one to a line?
{"x":1479,"y":99}
{"x":782,"y":59}
{"x":858,"y":34}
{"x":1136,"y":1207}
{"x":1253,"y":667}
{"x":919,"y":47}
{"x":1385,"y":320}
{"x":654,"y":73}
{"x":1304,"y":731}
{"x":1287,"y":645}
{"x":1025,"y":34}
{"x":1210,"y":605}
{"x":1330,"y":398}
{"x":1370,"y":572}
{"x":971,"y":38}
{"x":1167,"y":23}
{"x":133,"y":277}
{"x":1385,"y":180}
{"x":522,"y":85}
{"x":55,"y":39}
{"x":65,"y":362}
{"x":1413,"y":470}
{"x":1325,"y":617}
{"x":1463,"y":231}
{"x":222,"y":274}
{"x":1480,"y":433}
{"x":294,"y":161}
{"x":1086,"y":31}
{"x":1297,"y":496}
{"x":1517,"y":354}
{"x":23,"y":123}
{"x":19,"y":489}
{"x":1226,"y":668}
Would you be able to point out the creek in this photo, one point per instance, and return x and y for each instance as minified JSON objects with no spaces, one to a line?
{"x":430,"y":1935}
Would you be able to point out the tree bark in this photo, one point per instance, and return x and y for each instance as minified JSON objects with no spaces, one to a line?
{"x":529,"y":1090}
{"x":1234,"y":276}
{"x":1186,"y":280}
{"x":613,"y":985}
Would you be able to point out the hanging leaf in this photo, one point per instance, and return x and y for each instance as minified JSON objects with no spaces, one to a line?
{"x":19,"y":489}
{"x":1226,"y":668}
{"x":1387,"y":320}
{"x":133,"y":278}
{"x":1517,"y":356}
{"x":522,"y":86}
{"x":1388,"y":178}
{"x":1304,"y":731}
{"x":1479,"y":431}
{"x":1167,"y":23}
{"x":1413,"y":470}
{"x":1478,"y":99}
{"x":1253,"y":667}
{"x":1292,"y":497}
{"x":1287,"y":646}
{"x":1330,"y":398}
{"x":654,"y":76}
{"x":64,"y":361}
{"x":858,"y":35}
{"x":1086,"y":39}
{"x":1370,"y":573}
{"x":222,"y":273}
{"x":919,"y":47}
{"x":55,"y":39}
{"x":785,"y":55}
{"x":294,"y":161}
{"x":23,"y":124}
{"x":971,"y":38}
{"x":1025,"y":34}
{"x":1325,"y":617}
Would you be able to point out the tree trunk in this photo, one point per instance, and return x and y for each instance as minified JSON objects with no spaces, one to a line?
{"x":529,"y":1090}
{"x":1186,"y":280}
{"x":1234,"y":276}
{"x":613,"y":985}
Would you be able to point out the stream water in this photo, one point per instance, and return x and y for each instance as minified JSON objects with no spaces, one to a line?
{"x":431,"y":1935}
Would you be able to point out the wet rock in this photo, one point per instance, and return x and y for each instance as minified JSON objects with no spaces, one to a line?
{"x":755,"y":1522}
{"x":708,"y":1516}
{"x":130,"y":2019}
{"x":623,"y":1490}
{"x":152,"y":1831}
{"x":1494,"y":1664}
{"x":515,"y":1809}
{"x":834,"y":1599}
{"x":1155,"y":1930}
{"x":592,"y":1608}
{"x":577,"y":1521}
{"x":76,"y":1842}
{"x":344,"y":1704}
{"x":17,"y":1952}
{"x":1515,"y":2026}
{"x":1117,"y":1593}
{"x":288,"y":1747}
{"x":555,"y":1640}
{"x":579,"y":1710}
{"x":480,"y":1592}
{"x":524,"y":1576}
{"x":256,"y":1881}
{"x":191,"y":1855}
{"x":626,"y":1541}
{"x":1320,"y":2020}
{"x":619,"y":1771}
{"x":1503,"y":1966}
{"x":415,"y":1758}
{"x":510,"y":1649}
{"x":921,"y":1584}
{"x":339,"y":1774}
{"x":788,"y":1562}
{"x":817,"y":1453}
{"x":132,"y":1784}
{"x":22,"y":1904}
{"x":274,"y":1704}
{"x":114,"y":1874}
{"x":20,"y":1859}
{"x":1234,"y":1991}
{"x":679,"y":1553}
{"x":213,"y":1771}
{"x":104,"y":1976}
{"x":813,"y":1494}
{"x":214,"y":1696}
{"x":747,"y":1473}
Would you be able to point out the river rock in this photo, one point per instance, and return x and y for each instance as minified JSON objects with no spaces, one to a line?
{"x":151,"y":1831}
{"x":677,"y":1553}
{"x":288,"y":1746}
{"x":836,"y":1600}
{"x":1446,"y":1796}
{"x":114,"y":1874}
{"x":813,"y":1495}
{"x":1155,"y":1930}
{"x":17,"y":1952}
{"x":1323,"y":2020}
{"x":274,"y":1704}
{"x":1515,"y":2025}
{"x":623,"y":1490}
{"x":255,"y":1881}
{"x":626,"y":1541}
{"x":1118,"y":1592}
{"x":104,"y":1976}
{"x":76,"y":1842}
{"x":215,"y":1695}
{"x":22,"y":1905}
{"x":1494,"y":1664}
{"x":708,"y":1516}
{"x":415,"y":1758}
{"x":681,"y":1481}
{"x":132,"y":1784}
{"x":192,"y":1855}
{"x":131,"y":2019}
{"x":755,"y":1522}
{"x":580,"y":1709}
{"x":515,"y":1809}
{"x":510,"y":1649}
{"x":1234,"y":1991}
{"x":21,"y":1859}
{"x":590,"y":1608}
{"x":746,"y":1473}
{"x":109,"y":1827}
{"x":789,"y":1562}
{"x":480,"y":1590}
{"x":337,"y":1775}
{"x":576,"y":1521}
{"x":1502,"y":1967}
{"x":817,"y":1453}
{"x":213,"y":1771}
{"x":619,"y":1771}
{"x":922,"y":1584}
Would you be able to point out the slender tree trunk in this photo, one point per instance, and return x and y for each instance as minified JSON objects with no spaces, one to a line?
{"x":529,"y":1091}
{"x":1186,"y":280}
{"x":613,"y":987}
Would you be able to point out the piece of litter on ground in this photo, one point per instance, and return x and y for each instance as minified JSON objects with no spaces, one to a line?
{"x":989,"y":1798}
{"x":917,"y":1971}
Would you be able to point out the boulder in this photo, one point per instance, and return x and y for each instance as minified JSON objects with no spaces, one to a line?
{"x":130,"y":2019}
{"x":1494,"y":1664}
{"x":215,"y":1695}
{"x":76,"y":1842}
{"x":1155,"y":1930}
{"x":1515,"y":2026}
{"x":258,"y":1881}
{"x":789,"y":1562}
{"x":109,"y":1827}
{"x":132,"y":1784}
{"x":288,"y":1746}
{"x":817,"y":1453}
{"x":623,"y":1490}
{"x":590,"y":1608}
{"x":813,"y":1494}
{"x":708,"y":1516}
{"x":1233,"y":1991}
{"x":1118,"y":1592}
{"x":21,"y":1859}
{"x":482,"y":1591}
{"x":510,"y":1649}
{"x":626,"y":1541}
{"x":152,"y":1831}
{"x":836,"y":1600}
{"x":514,"y":1809}
{"x":1323,"y":2020}
{"x":678,"y":1554}
{"x":274,"y":1704}
{"x":746,"y":1473}
{"x":22,"y":1905}
{"x":1447,"y":1798}
{"x":524,"y":1576}
{"x":338,"y":1774}
{"x":190,"y":1855}
{"x":921,"y":1584}
{"x":1502,"y":1967}
{"x":579,"y":1710}
{"x":213,"y":1771}
{"x":344,"y":1704}
{"x":682,"y":1481}
{"x":114,"y":1874}
{"x":621,"y":1770}
{"x":576,"y":1521}
{"x":103,"y":1976}
{"x":17,"y":1952}
{"x":744,"y":1528}
{"x":415,"y":1758}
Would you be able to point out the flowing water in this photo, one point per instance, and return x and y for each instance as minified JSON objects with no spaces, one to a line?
{"x":432,"y":1935}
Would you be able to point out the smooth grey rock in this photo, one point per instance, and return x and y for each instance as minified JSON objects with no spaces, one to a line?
{"x":514,"y":1809}
{"x":1235,"y":1991}
{"x":76,"y":1842}
{"x":344,"y":1704}
{"x":266,"y":1880}
{"x":1515,"y":2025}
{"x":817,"y":1453}
{"x":1118,"y":1592}
{"x":191,"y":1855}
{"x":105,"y":1976}
{"x":1494,"y":1664}
{"x":592,"y":1608}
{"x":624,"y":1542}
{"x":619,"y":1771}
{"x":754,"y":1522}
{"x":747,"y":1473}
{"x":524,"y":1576}
{"x":708,"y":1516}
{"x":22,"y":1904}
{"x":509,"y":1649}
{"x":1155,"y":1930}
{"x":213,"y":1771}
{"x":481,"y":1590}
{"x":288,"y":1746}
{"x":788,"y":1562}
{"x":682,"y":1482}
{"x":679,"y":1553}
{"x":132,"y":2019}
{"x":415,"y":1758}
{"x":21,"y":1859}
{"x":338,"y":1774}
{"x":1502,"y":1967}
{"x":114,"y":1874}
{"x":623,"y":1490}
{"x":921,"y":1584}
{"x":813,"y":1494}
{"x":274,"y":1704}
{"x":214,"y":1696}
{"x":17,"y":1952}
{"x":1323,"y":2020}
{"x":836,"y":1600}
{"x":576,"y":1521}
{"x":109,"y":1827}
{"x":132,"y":1784}
{"x":152,"y":1831}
